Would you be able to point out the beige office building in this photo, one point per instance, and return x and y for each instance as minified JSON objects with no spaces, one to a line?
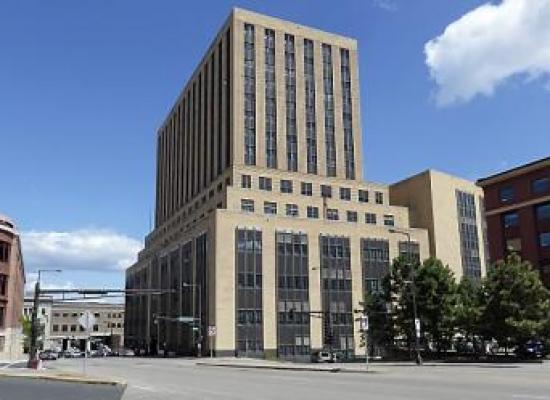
{"x":264,"y":228}
{"x":452,"y":211}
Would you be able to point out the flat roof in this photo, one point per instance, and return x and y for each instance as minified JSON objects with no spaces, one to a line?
{"x":534,"y":165}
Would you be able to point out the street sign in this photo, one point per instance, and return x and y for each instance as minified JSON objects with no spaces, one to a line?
{"x":212,"y":330}
{"x":417,"y":327}
{"x":365,"y":323}
{"x":185,"y":319}
{"x":87,"y":320}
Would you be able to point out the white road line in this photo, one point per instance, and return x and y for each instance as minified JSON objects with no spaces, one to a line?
{"x":530,"y":397}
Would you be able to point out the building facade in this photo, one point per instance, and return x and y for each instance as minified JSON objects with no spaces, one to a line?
{"x":452,"y":211}
{"x":66,"y":331}
{"x":265,"y":232}
{"x":12,"y":285}
{"x":517,"y":204}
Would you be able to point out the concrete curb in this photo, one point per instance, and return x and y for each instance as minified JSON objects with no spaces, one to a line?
{"x":285,"y":368}
{"x":62,"y":378}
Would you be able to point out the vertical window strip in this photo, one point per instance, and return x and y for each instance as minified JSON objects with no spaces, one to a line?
{"x":290,"y":85}
{"x":228,"y":148}
{"x":249,"y":96}
{"x":347,"y":114}
{"x":328,"y":89}
{"x":311,"y":129}
{"x":270,"y":100}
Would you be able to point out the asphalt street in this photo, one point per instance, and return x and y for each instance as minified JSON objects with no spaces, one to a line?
{"x":19,"y":388}
{"x":161,"y":379}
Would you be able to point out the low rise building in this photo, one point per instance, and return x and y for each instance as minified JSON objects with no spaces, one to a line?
{"x":67,"y":332}
{"x":12,"y":285}
{"x":517,"y":203}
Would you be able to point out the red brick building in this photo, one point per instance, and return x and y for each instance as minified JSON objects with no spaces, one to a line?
{"x":12,"y":284}
{"x":517,"y":204}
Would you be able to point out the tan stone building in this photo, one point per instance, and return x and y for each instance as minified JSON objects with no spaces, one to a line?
{"x":264,"y":228}
{"x":452,"y":211}
{"x":12,"y":285}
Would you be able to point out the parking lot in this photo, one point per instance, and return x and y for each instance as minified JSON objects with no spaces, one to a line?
{"x":156,"y":379}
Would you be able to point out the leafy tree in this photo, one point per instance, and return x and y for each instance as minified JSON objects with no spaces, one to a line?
{"x":436,"y":298}
{"x":380,"y":333}
{"x":468,"y":309}
{"x":26,"y":325}
{"x":517,"y":305}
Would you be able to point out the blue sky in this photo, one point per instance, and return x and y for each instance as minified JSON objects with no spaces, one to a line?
{"x":84,"y":85}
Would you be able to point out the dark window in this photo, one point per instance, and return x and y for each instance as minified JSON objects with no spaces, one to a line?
{"x":363,"y":196}
{"x":543,"y":212}
{"x":292,"y":210}
{"x":248,"y":266}
{"x":270,"y":100}
{"x":379,"y":197}
{"x":469,"y":240}
{"x":332,"y":214}
{"x":290,"y":85}
{"x":73,"y":328}
{"x":64,"y":328}
{"x":510,"y":219}
{"x":352,"y":216}
{"x":370,"y":218}
{"x":56,"y":328}
{"x":265,"y":183}
{"x":246,"y":181}
{"x":389,"y":220}
{"x":544,"y":239}
{"x":336,"y":298}
{"x":286,"y":186}
{"x":541,"y":185}
{"x":328,"y":90}
{"x":247,"y":205}
{"x":3,"y":285}
{"x":312,"y":212}
{"x":506,"y":194}
{"x":96,"y":328}
{"x":292,"y":295}
{"x":249,"y":96}
{"x":270,"y":207}
{"x":326,"y":191}
{"x":311,"y":128}
{"x":307,"y":188}
{"x":347,"y":114}
{"x":2,"y":320}
{"x":4,"y":251}
{"x":345,"y":193}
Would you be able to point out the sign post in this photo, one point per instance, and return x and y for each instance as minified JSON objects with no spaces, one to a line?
{"x":365,"y":329}
{"x":211,"y":334}
{"x":86,"y":321}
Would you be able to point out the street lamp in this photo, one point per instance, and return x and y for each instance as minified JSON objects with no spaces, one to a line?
{"x":33,"y":353}
{"x":198,"y":287}
{"x":413,"y":289}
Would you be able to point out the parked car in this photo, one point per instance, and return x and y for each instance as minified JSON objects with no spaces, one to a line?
{"x":322,"y":357}
{"x":48,"y":355}
{"x":531,"y":349}
{"x":126,"y":353}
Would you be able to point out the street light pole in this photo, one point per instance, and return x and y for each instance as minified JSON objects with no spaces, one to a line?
{"x":413,"y":290}
{"x":33,"y":351}
{"x":198,"y":287}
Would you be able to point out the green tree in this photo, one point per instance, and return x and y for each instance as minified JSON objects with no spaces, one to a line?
{"x":436,"y":299}
{"x":26,"y":326}
{"x":381,"y":334}
{"x":468,"y":309}
{"x":517,"y":305}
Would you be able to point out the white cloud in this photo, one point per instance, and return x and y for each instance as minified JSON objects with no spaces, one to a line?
{"x":489,"y":45}
{"x":79,"y":250}
{"x":387,"y":5}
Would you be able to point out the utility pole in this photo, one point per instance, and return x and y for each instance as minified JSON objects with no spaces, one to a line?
{"x":412,"y":273}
